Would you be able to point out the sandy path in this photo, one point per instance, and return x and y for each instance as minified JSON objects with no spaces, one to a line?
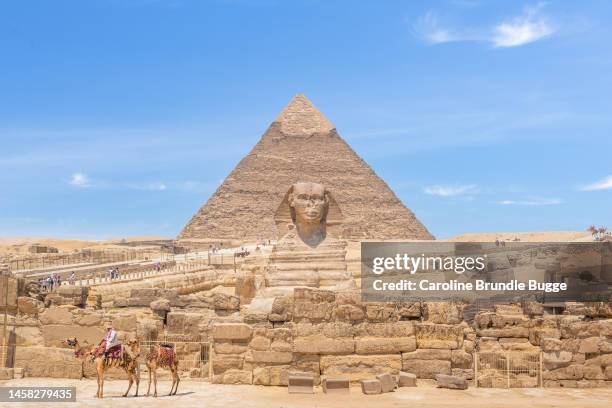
{"x":202,"y":394}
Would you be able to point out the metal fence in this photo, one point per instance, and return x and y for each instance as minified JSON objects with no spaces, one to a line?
{"x":510,"y":369}
{"x":192,"y":353}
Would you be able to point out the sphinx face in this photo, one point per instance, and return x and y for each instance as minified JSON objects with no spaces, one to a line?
{"x":309,"y":203}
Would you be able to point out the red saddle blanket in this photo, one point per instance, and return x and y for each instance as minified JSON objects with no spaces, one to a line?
{"x":115,"y":352}
{"x":166,"y":355}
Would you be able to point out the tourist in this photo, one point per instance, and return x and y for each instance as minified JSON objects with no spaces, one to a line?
{"x":110,"y":339}
{"x":72,"y":279}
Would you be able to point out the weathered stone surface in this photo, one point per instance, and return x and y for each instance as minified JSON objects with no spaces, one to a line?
{"x":318,"y":344}
{"x":549,"y":344}
{"x":439,"y":336}
{"x":125,"y":323}
{"x":260,"y":343}
{"x":232,"y":331}
{"x":160,"y":305}
{"x":371,"y":387}
{"x":589,"y":345}
{"x":572,"y":372}
{"x":56,"y":315}
{"x":225,"y":362}
{"x":513,"y":331}
{"x":427,"y":354}
{"x":269,"y":357}
{"x":427,"y":368}
{"x":48,"y":362}
{"x":55,"y":335}
{"x":336,"y":385}
{"x":387,"y":382}
{"x":452,"y":382}
{"x":377,"y":345}
{"x":28,"y":336}
{"x":556,"y":359}
{"x":89,"y":319}
{"x":443,"y":312}
{"x":358,"y":367}
{"x":300,"y":384}
{"x":234,"y":376}
{"x":229,"y":347}
{"x":406,"y":379}
{"x":393,"y":329}
{"x":27,"y":305}
{"x":461,"y":359}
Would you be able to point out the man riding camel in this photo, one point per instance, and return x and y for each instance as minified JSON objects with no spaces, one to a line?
{"x":110,"y":339}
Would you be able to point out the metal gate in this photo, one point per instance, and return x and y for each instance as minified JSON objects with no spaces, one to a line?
{"x":509,"y":369}
{"x":193,"y":355}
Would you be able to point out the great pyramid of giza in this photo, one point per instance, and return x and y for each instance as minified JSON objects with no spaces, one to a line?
{"x":302,"y":145}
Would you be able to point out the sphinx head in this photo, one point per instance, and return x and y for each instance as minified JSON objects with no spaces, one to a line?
{"x":309,"y":203}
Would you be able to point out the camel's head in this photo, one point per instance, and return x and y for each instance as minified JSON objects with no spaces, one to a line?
{"x":134,"y":345}
{"x":71,"y":342}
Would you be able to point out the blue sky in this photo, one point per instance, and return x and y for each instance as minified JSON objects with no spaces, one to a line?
{"x":121,"y":117}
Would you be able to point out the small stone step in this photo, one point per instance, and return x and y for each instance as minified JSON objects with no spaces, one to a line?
{"x":371,"y":387}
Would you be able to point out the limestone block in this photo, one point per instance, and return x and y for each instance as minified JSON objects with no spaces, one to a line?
{"x":225,"y":362}
{"x":319,"y":344}
{"x":359,"y":367}
{"x":517,"y":344}
{"x":56,"y":315}
{"x":512,"y":331}
{"x":300,"y":384}
{"x":55,"y":335}
{"x":269,"y":357}
{"x":229,"y":347}
{"x":605,"y":345}
{"x":589,"y":345}
{"x":593,"y":373}
{"x":260,"y":343}
{"x":48,"y":362}
{"x":394,"y":329}
{"x":350,"y":313}
{"x":556,"y":359}
{"x":452,"y":382}
{"x":89,"y":318}
{"x":234,"y":376}
{"x":439,"y":336}
{"x":18,"y":372}
{"x":443,"y":312}
{"x":387,"y":382}
{"x":383,"y":345}
{"x":406,"y":379}
{"x":608,"y":372}
{"x":27,"y":305}
{"x":427,"y":354}
{"x":467,"y":373}
{"x":6,"y":373}
{"x":371,"y":387}
{"x":537,"y":334}
{"x":410,"y":309}
{"x":126,"y":322}
{"x":336,"y":385}
{"x":549,"y":344}
{"x":261,"y":376}
{"x":573,"y":372}
{"x":381,"y":312}
{"x":427,"y":368}
{"x":28,"y":336}
{"x":574,"y":328}
{"x":461,"y":359}
{"x":232,"y":331}
{"x":280,"y":345}
{"x":161,"y":305}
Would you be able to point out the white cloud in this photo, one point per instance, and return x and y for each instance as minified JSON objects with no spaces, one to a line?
{"x":605,"y":184}
{"x":80,"y":180}
{"x":428,"y":30}
{"x":152,"y":186}
{"x":448,"y":191}
{"x":531,"y":26}
{"x":522,"y":30}
{"x":532,"y":202}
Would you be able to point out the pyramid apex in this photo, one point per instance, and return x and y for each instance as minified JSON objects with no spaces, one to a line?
{"x":301,"y":118}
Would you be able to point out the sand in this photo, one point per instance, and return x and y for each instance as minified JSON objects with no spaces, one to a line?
{"x":202,"y":394}
{"x":536,"y":236}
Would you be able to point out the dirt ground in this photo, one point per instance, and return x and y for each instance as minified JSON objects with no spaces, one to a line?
{"x":203,"y":394}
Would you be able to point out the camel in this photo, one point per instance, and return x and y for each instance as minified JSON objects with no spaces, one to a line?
{"x":162,"y":356}
{"x":127,"y":362}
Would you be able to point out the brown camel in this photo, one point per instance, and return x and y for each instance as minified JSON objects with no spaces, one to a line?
{"x":162,"y":356}
{"x":127,"y":362}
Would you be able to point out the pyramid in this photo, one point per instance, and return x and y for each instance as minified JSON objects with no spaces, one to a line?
{"x":302,"y":145}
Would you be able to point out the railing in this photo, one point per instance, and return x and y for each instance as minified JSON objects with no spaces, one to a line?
{"x":510,"y":369}
{"x":192,"y":353}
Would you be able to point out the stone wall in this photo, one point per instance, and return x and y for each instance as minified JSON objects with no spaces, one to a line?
{"x":334,"y":334}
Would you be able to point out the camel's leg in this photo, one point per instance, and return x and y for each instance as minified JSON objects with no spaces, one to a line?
{"x":177,"y":379}
{"x":173,"y":380}
{"x":155,"y":382}
{"x":137,"y":378}
{"x":102,"y":380}
{"x":130,"y":381}
{"x":149,"y":388}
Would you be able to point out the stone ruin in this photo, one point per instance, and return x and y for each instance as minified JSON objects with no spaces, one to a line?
{"x":297,"y":309}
